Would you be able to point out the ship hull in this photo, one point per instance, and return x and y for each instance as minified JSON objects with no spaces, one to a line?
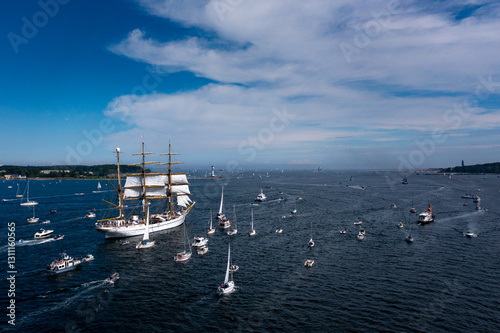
{"x":138,"y":230}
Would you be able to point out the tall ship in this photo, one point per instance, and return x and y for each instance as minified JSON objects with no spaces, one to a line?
{"x":149,"y":186}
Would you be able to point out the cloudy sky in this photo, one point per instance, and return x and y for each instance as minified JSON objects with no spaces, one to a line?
{"x":288,"y":84}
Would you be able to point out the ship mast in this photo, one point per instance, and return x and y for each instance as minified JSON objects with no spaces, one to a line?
{"x":120,"y":198}
{"x":170,"y":196}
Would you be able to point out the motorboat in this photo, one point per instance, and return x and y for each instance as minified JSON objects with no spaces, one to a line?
{"x":228,"y":285}
{"x":405,"y":181}
{"x":261,"y":197}
{"x":400,"y":225}
{"x":279,"y":231}
{"x":63,"y":264}
{"x":46,"y":222}
{"x":202,"y":250}
{"x":309,"y":263}
{"x":232,"y":232}
{"x":53,"y":211}
{"x":124,"y":242}
{"x":413,"y":210}
{"x":43,"y":234}
{"x":294,"y":211}
{"x":20,"y":241}
{"x":90,"y":215}
{"x":113,"y":278}
{"x":58,"y":237}
{"x":361,"y":234}
{"x":88,"y":257}
{"x":470,"y":234}
{"x":199,"y":242}
{"x":343,"y":231}
{"x":358,"y":223}
{"x":426,"y":216}
{"x":234,"y":268}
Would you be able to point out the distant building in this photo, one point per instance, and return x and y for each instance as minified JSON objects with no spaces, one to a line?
{"x":462,"y":163}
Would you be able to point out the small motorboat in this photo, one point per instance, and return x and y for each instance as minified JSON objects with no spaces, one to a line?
{"x":469,"y":234}
{"x":358,"y":223}
{"x":20,"y":241}
{"x":202,"y":250}
{"x":46,"y":222}
{"x":234,"y":268}
{"x":113,"y":278}
{"x":413,"y":210}
{"x":90,"y":215}
{"x":343,"y":231}
{"x":400,"y":225}
{"x":199,"y":242}
{"x":53,"y":211}
{"x":309,"y":263}
{"x":58,"y":237}
{"x":409,"y":238}
{"x":43,"y":234}
{"x":231,"y":232}
{"x":89,"y":257}
{"x":279,"y":231}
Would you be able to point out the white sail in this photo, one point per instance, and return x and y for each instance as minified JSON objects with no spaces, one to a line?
{"x":226,"y":279}
{"x":221,"y":200}
{"x":98,"y":185}
{"x":252,"y":219}
{"x":146,"y":231}
{"x":155,"y":186}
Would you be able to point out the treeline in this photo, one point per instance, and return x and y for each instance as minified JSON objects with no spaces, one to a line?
{"x":478,"y":168}
{"x":68,"y":171}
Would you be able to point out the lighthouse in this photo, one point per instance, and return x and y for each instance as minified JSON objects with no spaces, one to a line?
{"x":213,"y":172}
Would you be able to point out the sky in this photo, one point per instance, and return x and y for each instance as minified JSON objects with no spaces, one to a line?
{"x":287,"y":84}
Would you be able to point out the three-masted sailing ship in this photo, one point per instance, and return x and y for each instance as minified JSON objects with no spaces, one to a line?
{"x":147,"y":187}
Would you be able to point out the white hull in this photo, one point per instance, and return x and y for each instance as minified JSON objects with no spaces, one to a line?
{"x":138,"y":229}
{"x":146,"y":245}
{"x":227,"y":290}
{"x":29,"y":203}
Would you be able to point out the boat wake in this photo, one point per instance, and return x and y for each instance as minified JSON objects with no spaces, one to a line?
{"x":82,"y":290}
{"x":461,"y":216}
{"x":356,"y":187}
{"x":31,"y":242}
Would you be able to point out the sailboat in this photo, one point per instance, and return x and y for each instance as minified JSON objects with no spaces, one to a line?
{"x":18,"y":193}
{"x":311,"y":242}
{"x":184,"y":255}
{"x":212,"y":229}
{"x":33,"y":219}
{"x":146,"y":243}
{"x":252,"y":232}
{"x":223,"y":220}
{"x":409,"y":238}
{"x":294,"y":210}
{"x":149,"y":186}
{"x":233,"y":230}
{"x":98,"y":188}
{"x":228,"y":285}
{"x":28,"y":202}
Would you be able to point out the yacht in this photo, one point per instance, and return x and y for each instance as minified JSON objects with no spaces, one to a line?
{"x":202,"y":250}
{"x":63,"y":264}
{"x":426,"y":216}
{"x":43,"y":233}
{"x":309,"y":263}
{"x":199,"y":242}
{"x":361,"y":234}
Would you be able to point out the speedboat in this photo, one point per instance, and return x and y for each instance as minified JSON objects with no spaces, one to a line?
{"x":202,"y":250}
{"x":89,"y":257}
{"x":43,"y":233}
{"x":234,"y":268}
{"x":261,"y":197}
{"x":400,"y":225}
{"x":20,"y":241}
{"x":90,"y":215}
{"x":358,"y":223}
{"x":309,"y":263}
{"x":469,"y":234}
{"x":199,"y":242}
{"x":33,"y":219}
{"x":343,"y":231}
{"x":279,"y":231}
{"x":58,"y":237}
{"x":113,"y":278}
{"x":182,"y":256}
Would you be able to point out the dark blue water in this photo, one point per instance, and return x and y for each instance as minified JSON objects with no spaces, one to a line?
{"x":440,"y":283}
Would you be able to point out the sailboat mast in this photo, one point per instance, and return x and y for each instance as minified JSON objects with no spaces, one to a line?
{"x":144,"y":197}
{"x":170,"y":203}
{"x":120,"y":195}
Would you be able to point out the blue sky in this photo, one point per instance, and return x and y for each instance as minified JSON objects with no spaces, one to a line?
{"x":288,"y":84}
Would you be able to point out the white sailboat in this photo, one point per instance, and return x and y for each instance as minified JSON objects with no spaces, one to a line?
{"x":252,"y":232}
{"x":159,"y":186}
{"x":311,"y":242}
{"x":184,"y":255}
{"x":146,"y":243}
{"x":98,"y":188}
{"x":18,"y":193}
{"x":28,"y":202}
{"x":33,"y":219}
{"x":211,"y":230}
{"x":234,"y":229}
{"x":228,"y":285}
{"x":224,"y":222}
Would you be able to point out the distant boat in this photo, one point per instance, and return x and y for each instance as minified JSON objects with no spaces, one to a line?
{"x":234,"y":229}
{"x":90,"y":215}
{"x":199,"y":242}
{"x":33,"y":219}
{"x":343,"y":231}
{"x":113,"y":278}
{"x":43,"y":233}
{"x":98,"y":188}
{"x":145,"y":243}
{"x":184,"y":255}
{"x":279,"y":231}
{"x":252,"y":231}
{"x":358,"y":223}
{"x":211,"y":230}
{"x":361,"y":234}
{"x":311,"y":242}
{"x":469,"y":234}
{"x":228,"y":285}
{"x":261,"y":197}
{"x":202,"y":250}
{"x":28,"y":202}
{"x":18,"y":193}
{"x":400,"y":225}
{"x":224,"y":223}
{"x":309,"y":263}
{"x":405,"y":181}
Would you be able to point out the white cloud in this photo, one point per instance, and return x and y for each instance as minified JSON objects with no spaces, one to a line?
{"x":274,"y":53}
